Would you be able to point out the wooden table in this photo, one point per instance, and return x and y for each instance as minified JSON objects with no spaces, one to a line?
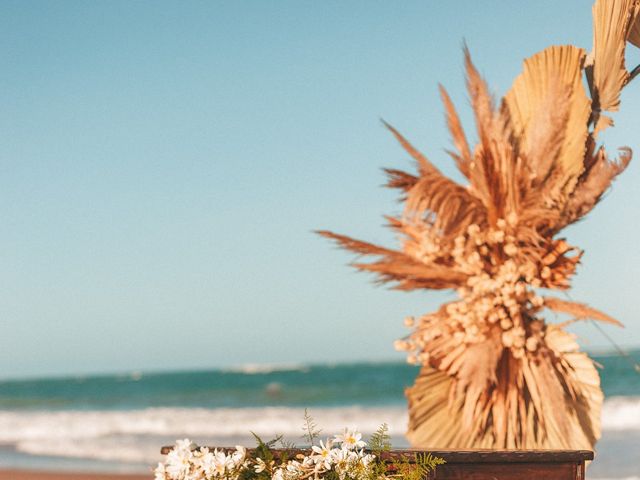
{"x":492,"y":464}
{"x":510,"y":464}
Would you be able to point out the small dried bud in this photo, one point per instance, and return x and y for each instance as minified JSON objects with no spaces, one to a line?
{"x":496,"y":236}
{"x":537,"y":301}
{"x":517,"y":352}
{"x":510,"y":249}
{"x":401,"y":345}
{"x":473,"y":229}
{"x":549,"y":258}
{"x":518,"y":341}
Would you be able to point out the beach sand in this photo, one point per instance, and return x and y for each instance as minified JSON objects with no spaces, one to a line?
{"x":29,"y":475}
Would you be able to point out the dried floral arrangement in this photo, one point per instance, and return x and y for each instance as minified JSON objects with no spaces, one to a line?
{"x":344,"y":457}
{"x":494,"y":373}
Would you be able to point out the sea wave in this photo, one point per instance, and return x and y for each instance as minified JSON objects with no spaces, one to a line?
{"x":621,"y":413}
{"x":221,"y":422}
{"x":263,"y":368}
{"x":135,"y":435}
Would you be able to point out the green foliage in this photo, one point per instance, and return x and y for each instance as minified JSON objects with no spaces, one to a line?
{"x":250,"y":474}
{"x":428,"y":462}
{"x":287,"y":444}
{"x":263,"y":449}
{"x":380,"y":441}
{"x":422,"y":465}
{"x":332,"y":475}
{"x":310,"y":429}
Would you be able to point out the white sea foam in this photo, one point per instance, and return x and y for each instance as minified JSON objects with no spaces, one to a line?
{"x":262,"y":368}
{"x":220,"y":422}
{"x":136,"y":435}
{"x":621,"y":413}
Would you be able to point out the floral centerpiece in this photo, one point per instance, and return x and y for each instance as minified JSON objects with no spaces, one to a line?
{"x":345,"y":456}
{"x":495,"y":372}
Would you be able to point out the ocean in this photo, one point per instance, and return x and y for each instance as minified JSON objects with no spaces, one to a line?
{"x":118,"y":423}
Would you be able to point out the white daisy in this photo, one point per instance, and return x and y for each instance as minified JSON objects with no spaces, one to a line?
{"x":322,"y":455}
{"x":239,"y":456}
{"x":260,"y":466}
{"x":350,"y":439}
{"x":220,"y":462}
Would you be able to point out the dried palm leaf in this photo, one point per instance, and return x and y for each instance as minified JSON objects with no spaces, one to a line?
{"x":452,"y":205}
{"x":409,"y":273}
{"x":596,"y":180}
{"x":484,"y":171}
{"x":549,"y":112}
{"x":401,"y":180}
{"x":612,"y":25}
{"x":463,"y":157}
{"x":634,"y":32}
{"x":579,"y":311}
{"x":425,"y":167}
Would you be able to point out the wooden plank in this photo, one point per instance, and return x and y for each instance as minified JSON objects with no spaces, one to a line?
{"x":498,"y":456}
{"x":462,"y":456}
{"x":507,"y":471}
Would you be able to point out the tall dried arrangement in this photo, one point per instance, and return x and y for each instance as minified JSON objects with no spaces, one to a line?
{"x":494,"y":373}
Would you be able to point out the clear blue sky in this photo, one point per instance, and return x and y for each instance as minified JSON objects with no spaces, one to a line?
{"x":163,"y":165}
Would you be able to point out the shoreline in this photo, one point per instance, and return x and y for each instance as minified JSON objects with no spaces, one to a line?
{"x":7,"y":474}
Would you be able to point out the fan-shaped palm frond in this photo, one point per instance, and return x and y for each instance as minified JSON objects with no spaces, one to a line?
{"x":613,"y":24}
{"x":549,"y":112}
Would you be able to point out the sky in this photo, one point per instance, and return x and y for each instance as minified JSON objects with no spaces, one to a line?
{"x":163,"y":166}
